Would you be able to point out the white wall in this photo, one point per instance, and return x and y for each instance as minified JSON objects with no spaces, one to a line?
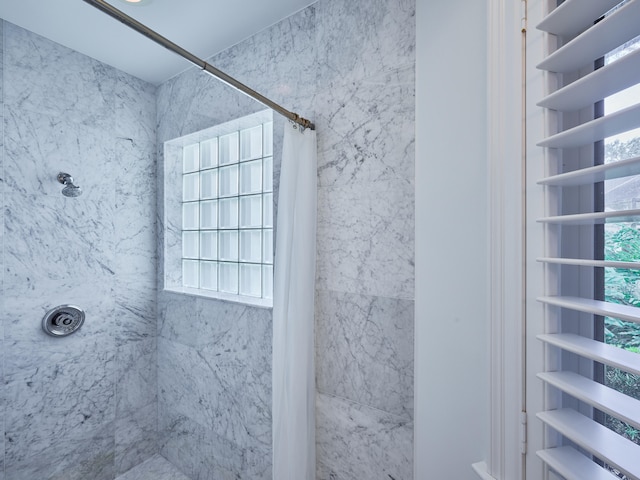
{"x":452,"y":248}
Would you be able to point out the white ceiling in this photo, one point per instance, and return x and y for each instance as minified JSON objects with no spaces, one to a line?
{"x":203,"y":27}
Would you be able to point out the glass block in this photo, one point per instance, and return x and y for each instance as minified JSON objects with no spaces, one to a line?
{"x":190,"y":158}
{"x":251,"y":143}
{"x":267,"y":218}
{"x":250,"y":211}
{"x":267,"y":130}
{"x":209,"y":275}
{"x":228,"y":149}
{"x":251,"y":177}
{"x":190,"y":244}
{"x":209,"y":245}
{"x":228,"y":277}
{"x":267,"y":246}
{"x":209,"y":184}
{"x":209,"y":153}
{"x":209,"y":214}
{"x":190,"y":187}
{"x":267,"y":281}
{"x":228,"y":213}
{"x":190,"y":273}
{"x":228,"y":181}
{"x":250,"y":280}
{"x":190,"y":216}
{"x":228,"y":246}
{"x":267,"y":174}
{"x":251,"y":246}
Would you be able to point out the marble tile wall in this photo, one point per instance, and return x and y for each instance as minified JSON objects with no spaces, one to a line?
{"x":349,"y":66}
{"x":2,"y":349}
{"x":365,"y":267}
{"x":83,"y":406}
{"x":214,"y":357}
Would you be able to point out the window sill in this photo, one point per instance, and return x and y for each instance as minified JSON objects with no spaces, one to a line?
{"x":226,"y":297}
{"x":481,"y":470}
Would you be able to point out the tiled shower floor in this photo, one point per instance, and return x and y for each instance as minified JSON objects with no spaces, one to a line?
{"x":156,"y":468}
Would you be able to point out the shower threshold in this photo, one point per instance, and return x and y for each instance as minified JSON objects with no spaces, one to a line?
{"x":155,"y":468}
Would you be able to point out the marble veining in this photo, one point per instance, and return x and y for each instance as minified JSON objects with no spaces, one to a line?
{"x":136,"y":438}
{"x":38,"y":146}
{"x":135,"y":110}
{"x":194,"y":101}
{"x":220,"y":385}
{"x":135,"y":245}
{"x":368,"y":130}
{"x":214,"y":379}
{"x":155,"y":468}
{"x":203,"y":454}
{"x":283,"y":57}
{"x":90,"y":458}
{"x":44,"y":77}
{"x":136,"y":375}
{"x":359,"y":40}
{"x":2,"y":294}
{"x":364,"y":350}
{"x":348,"y":67}
{"x":92,"y":395}
{"x":358,"y":442}
{"x":366,"y":239}
{"x":58,"y":403}
{"x":70,"y":243}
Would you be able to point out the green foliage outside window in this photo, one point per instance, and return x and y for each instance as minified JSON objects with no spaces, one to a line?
{"x":622,"y":286}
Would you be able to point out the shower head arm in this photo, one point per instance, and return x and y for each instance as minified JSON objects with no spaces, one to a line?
{"x":65,"y":178}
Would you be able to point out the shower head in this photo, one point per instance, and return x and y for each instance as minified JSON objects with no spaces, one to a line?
{"x":69,"y":190}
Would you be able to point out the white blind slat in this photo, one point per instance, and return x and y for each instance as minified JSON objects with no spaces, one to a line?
{"x":595,"y":307}
{"x":593,"y":350}
{"x":572,"y":465}
{"x":596,"y":42}
{"x":601,"y":83}
{"x":595,"y":130}
{"x":600,"y":173}
{"x":595,"y":394}
{"x":586,"y":31}
{"x":574,"y":16}
{"x":594,"y":218}
{"x":589,"y":263}
{"x":596,"y":439}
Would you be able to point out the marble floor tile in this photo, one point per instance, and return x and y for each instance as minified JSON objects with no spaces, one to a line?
{"x":155,"y":468}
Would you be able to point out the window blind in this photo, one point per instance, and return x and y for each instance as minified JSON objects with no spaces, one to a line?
{"x":578,"y":445}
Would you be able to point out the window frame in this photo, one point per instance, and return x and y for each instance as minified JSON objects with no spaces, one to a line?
{"x":173,"y":229}
{"x":539,"y":121}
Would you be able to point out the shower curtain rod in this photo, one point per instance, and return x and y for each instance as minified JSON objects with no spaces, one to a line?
{"x":168,"y":44}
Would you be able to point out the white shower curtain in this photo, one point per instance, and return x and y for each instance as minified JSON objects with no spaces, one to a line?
{"x":293,"y":310}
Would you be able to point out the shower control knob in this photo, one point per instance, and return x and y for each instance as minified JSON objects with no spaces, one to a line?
{"x":63,"y":320}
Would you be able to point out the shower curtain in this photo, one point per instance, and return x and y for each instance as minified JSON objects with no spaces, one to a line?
{"x":293,"y":310}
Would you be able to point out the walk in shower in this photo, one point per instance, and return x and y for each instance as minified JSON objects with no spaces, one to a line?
{"x":153,"y":372}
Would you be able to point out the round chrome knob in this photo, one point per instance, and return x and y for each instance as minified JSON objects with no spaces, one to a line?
{"x":63,"y":320}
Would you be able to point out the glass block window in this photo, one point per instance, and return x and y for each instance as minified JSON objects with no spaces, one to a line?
{"x":225,"y":210}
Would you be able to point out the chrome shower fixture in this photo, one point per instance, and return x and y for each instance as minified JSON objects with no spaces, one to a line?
{"x":69,"y":190}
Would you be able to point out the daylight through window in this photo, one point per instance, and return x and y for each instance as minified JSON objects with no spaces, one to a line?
{"x":225,"y":209}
